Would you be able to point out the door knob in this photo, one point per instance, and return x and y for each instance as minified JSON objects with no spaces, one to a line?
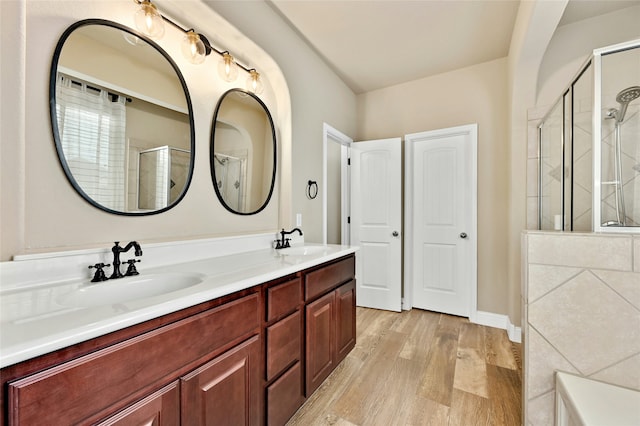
{"x":463,"y":235}
{"x":395,"y":233}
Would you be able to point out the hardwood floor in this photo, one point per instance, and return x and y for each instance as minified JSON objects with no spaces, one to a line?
{"x":420,"y":368}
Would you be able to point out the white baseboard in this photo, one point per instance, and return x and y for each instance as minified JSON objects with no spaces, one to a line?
{"x":514,"y":332}
{"x":498,"y":321}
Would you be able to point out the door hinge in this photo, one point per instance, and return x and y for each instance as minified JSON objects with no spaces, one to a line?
{"x":348,"y":219}
{"x":348,"y":161}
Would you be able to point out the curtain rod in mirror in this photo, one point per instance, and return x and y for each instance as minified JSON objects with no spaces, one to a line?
{"x":195,"y":46}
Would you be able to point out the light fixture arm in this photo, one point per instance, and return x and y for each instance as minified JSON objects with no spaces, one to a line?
{"x":207,"y":45}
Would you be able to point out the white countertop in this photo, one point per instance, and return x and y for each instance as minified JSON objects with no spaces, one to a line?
{"x":33,"y":321}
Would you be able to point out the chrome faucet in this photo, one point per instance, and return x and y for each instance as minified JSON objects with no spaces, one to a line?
{"x":284,"y":242}
{"x":116,"y":249}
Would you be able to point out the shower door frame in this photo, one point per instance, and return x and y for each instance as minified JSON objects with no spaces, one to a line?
{"x":563,"y":145}
{"x":597,"y":136}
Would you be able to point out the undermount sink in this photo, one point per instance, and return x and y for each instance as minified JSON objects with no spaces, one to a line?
{"x":302,"y":250}
{"x":127,"y":289}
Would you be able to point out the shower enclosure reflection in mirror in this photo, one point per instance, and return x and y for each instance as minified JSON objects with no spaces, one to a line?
{"x":243,"y":152}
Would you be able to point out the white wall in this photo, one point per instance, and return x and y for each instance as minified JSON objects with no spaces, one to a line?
{"x":476,"y":94}
{"x":534,"y":27}
{"x":573,"y":44}
{"x":39,"y":210}
{"x":12,"y":104}
{"x":317,"y":96}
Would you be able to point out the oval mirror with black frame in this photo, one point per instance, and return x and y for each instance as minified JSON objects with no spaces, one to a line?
{"x":122,"y":119}
{"x":243,"y":152}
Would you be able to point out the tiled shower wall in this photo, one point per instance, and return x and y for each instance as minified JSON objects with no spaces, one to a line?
{"x":581,"y":313}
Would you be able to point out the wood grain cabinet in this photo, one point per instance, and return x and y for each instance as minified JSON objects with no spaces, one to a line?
{"x":284,"y":388}
{"x":248,"y":358}
{"x":124,"y":378}
{"x":161,"y":408}
{"x":345,"y":320}
{"x":225,"y":390}
{"x":330,"y":320}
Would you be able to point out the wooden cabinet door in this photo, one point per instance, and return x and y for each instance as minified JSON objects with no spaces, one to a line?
{"x":345,"y":320}
{"x":320,"y":339}
{"x":162,"y":408}
{"x":226,"y":390}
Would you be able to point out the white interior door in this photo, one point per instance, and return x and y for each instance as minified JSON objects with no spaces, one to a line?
{"x":376,"y":220}
{"x":441,"y":219}
{"x":335,"y":186}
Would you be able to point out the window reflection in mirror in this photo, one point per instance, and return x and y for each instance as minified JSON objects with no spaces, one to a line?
{"x":243,"y":152}
{"x":121,"y":117}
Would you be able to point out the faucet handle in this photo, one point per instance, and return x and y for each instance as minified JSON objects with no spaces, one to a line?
{"x":99,"y":276}
{"x":131,"y":269}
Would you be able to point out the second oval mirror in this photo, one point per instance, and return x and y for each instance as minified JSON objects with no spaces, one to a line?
{"x":243,"y":152}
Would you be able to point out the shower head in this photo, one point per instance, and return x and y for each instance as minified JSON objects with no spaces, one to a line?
{"x":624,"y":98}
{"x":629,"y":94}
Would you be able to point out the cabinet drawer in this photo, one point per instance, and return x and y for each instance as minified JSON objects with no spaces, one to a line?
{"x":283,"y":299}
{"x":283,"y":344}
{"x":95,"y":385}
{"x":285,"y":396}
{"x":322,"y":280}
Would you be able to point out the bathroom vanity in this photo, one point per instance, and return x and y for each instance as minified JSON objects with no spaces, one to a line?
{"x":251,"y":356}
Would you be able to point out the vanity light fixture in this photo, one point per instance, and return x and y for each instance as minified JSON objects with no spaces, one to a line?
{"x":148,"y":20}
{"x":254,"y":82}
{"x":195,"y":46}
{"x":227,"y":67}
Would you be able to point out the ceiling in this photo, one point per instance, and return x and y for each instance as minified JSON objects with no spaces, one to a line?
{"x":373,"y":44}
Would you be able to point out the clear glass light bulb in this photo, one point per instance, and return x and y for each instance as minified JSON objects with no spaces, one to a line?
{"x":193,"y":48}
{"x":254,"y":82}
{"x":148,"y":20}
{"x":227,"y":67}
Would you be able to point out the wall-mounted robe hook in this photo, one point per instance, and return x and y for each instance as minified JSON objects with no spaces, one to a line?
{"x":312,"y":189}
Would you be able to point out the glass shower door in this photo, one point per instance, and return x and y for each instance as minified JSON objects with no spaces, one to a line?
{"x":230,"y":173}
{"x":551,"y":166}
{"x":620,"y":139}
{"x":162,"y":175}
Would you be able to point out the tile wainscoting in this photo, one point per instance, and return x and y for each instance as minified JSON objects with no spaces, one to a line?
{"x":581,"y":313}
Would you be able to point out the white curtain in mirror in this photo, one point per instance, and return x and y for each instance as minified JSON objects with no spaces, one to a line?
{"x":92,"y":125}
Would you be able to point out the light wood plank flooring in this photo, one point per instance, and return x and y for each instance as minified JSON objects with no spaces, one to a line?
{"x":420,"y":368}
